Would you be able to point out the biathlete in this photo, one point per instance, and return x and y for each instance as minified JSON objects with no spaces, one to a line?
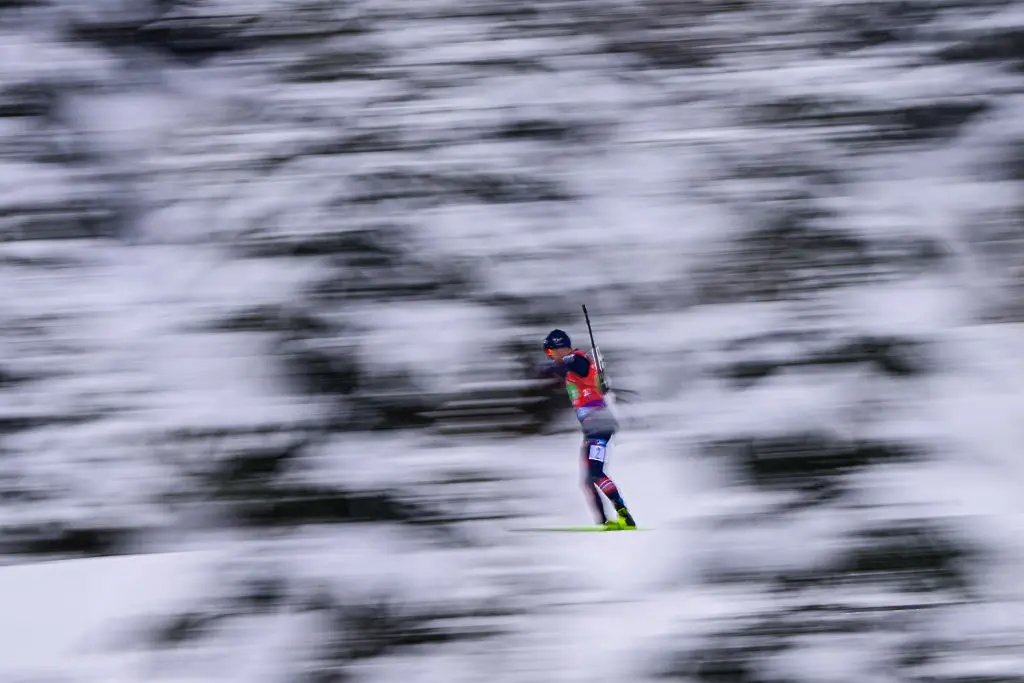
{"x":586,"y":391}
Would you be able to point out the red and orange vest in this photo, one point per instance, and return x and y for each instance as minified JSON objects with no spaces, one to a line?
{"x":583,"y":390}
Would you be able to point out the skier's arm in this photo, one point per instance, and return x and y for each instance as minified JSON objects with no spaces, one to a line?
{"x":578,"y":364}
{"x":581,"y":366}
{"x":551,"y":370}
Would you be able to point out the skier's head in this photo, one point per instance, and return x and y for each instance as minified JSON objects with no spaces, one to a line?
{"x":557,"y":345}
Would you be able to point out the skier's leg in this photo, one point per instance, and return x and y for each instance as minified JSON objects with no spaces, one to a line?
{"x":598,"y":450}
{"x":591,"y":491}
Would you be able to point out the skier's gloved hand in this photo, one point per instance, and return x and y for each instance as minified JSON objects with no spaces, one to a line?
{"x":546,"y":370}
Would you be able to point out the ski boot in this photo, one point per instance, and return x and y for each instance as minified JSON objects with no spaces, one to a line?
{"x":611,"y":525}
{"x":625,"y":520}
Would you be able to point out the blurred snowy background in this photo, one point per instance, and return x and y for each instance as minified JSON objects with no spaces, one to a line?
{"x":275,"y":274}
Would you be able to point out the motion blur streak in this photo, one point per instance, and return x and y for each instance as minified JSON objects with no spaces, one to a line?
{"x":274,"y":278}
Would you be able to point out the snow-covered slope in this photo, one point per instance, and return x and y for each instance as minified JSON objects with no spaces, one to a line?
{"x":242,"y":242}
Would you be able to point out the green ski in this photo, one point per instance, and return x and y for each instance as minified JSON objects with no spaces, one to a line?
{"x":581,"y":529}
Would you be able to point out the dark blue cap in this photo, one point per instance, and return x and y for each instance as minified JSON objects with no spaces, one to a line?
{"x":557,"y":339}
